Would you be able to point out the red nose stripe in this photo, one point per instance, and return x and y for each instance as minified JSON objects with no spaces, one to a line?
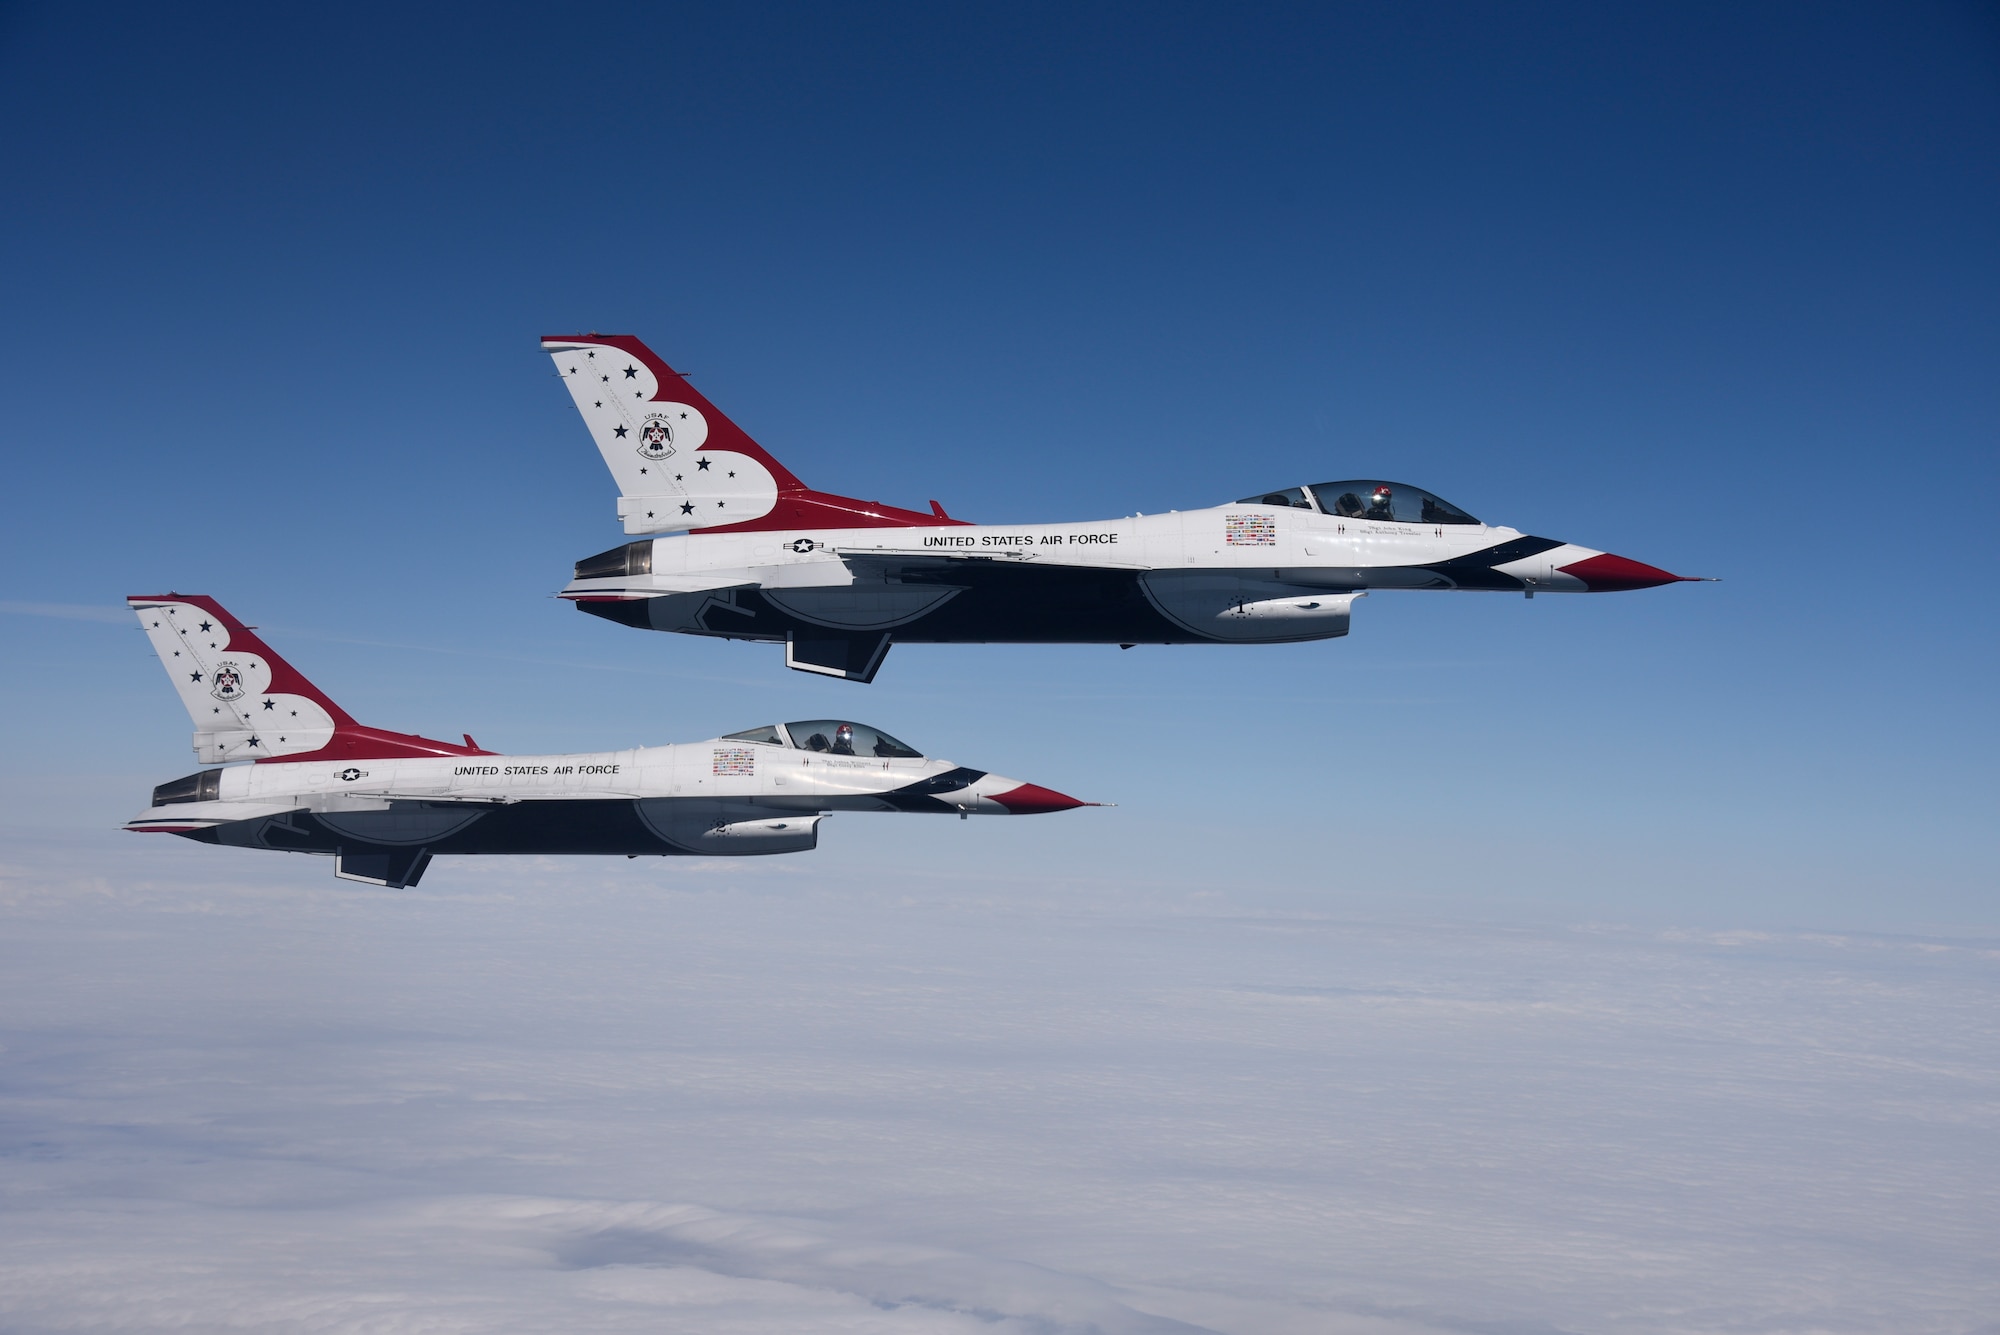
{"x":1031,"y":799}
{"x":1606,"y":573}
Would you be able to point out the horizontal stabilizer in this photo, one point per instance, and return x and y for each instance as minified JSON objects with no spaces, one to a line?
{"x":654,"y":586}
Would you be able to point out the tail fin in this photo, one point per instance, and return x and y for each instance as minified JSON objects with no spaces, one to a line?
{"x":249,"y":704}
{"x":679,"y":462}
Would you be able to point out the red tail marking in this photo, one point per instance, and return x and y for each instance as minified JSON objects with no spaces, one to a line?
{"x":799,"y":506}
{"x":806,"y":508}
{"x":723,"y":434}
{"x":350,"y":740}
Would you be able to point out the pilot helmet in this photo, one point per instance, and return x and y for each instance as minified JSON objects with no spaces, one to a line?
{"x":844,"y":735}
{"x":1382,"y":495}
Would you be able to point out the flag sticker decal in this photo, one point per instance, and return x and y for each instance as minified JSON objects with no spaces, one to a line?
{"x":1250,"y":530}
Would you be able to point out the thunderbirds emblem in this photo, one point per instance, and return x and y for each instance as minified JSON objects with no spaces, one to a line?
{"x":226,"y":682}
{"x":656,"y":438}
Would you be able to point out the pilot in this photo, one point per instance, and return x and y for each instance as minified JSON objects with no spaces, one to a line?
{"x":843,"y":740}
{"x":1379,"y":504}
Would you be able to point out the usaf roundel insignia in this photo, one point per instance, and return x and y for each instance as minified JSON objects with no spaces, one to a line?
{"x":226,"y":682}
{"x":656,"y":438}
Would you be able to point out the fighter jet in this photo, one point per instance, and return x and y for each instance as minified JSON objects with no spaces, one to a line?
{"x":382,"y":804}
{"x":755,"y":554}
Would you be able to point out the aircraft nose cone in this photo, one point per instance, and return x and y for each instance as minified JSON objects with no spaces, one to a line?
{"x":1031,"y":799}
{"x":1605,"y":573}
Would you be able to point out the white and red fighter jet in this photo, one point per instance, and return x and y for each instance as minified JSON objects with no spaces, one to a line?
{"x":755,"y":554}
{"x":383,"y":803}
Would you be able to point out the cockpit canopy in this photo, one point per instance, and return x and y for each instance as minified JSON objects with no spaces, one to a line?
{"x":1367,"y":498}
{"x":834,"y":736}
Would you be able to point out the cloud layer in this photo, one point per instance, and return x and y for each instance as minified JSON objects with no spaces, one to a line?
{"x":735,"y":1098}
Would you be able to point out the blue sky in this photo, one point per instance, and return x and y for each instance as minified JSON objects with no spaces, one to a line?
{"x":1713,"y":287}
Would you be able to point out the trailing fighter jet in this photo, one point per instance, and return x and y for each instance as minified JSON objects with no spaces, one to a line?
{"x":755,"y":554}
{"x":382,"y":804}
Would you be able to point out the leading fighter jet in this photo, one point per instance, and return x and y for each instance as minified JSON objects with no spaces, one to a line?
{"x":755,"y":554}
{"x":381,"y":804}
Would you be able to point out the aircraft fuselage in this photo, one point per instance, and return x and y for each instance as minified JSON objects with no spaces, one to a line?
{"x":1231,"y":574}
{"x":382,"y":803}
{"x":735,"y":544}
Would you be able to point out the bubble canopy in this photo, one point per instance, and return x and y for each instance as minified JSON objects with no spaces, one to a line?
{"x":838,"y":737}
{"x":1367,"y":498}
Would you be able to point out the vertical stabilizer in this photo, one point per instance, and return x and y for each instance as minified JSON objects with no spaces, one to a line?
{"x":678,"y":461}
{"x":247,"y":703}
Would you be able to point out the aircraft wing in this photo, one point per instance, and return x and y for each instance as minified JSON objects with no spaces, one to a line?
{"x":876,"y":559}
{"x":366,"y":799}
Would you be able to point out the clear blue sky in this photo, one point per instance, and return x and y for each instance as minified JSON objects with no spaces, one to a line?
{"x":1710,"y":286}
